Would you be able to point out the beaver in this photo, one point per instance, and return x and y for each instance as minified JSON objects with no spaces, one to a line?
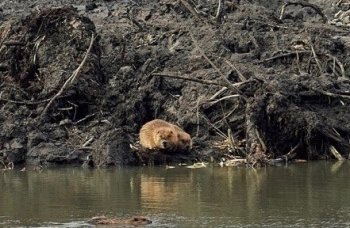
{"x":158,"y":134}
{"x":184,"y":140}
{"x":134,"y":221}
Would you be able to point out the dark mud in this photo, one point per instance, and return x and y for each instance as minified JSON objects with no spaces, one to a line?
{"x":251,"y":80}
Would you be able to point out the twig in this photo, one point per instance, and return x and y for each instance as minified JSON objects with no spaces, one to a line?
{"x":71,"y":79}
{"x":260,"y":140}
{"x":240,"y":75}
{"x":339,"y":2}
{"x":85,"y":118}
{"x":75,"y":109}
{"x":329,"y":93}
{"x":24,"y":102}
{"x":298,"y":62}
{"x":303,"y":4}
{"x":197,"y":115}
{"x":190,"y":8}
{"x":36,"y":47}
{"x":230,"y":137}
{"x":283,"y":8}
{"x":88,"y":142}
{"x":223,"y":98}
{"x":5,"y":32}
{"x":339,"y":64}
{"x":14,"y":43}
{"x":283,"y":55}
{"x":298,"y":53}
{"x":219,"y":11}
{"x":218,"y":93}
{"x":315,"y":56}
{"x":222,"y":134}
{"x":336,"y":153}
{"x":172,"y":75}
{"x":291,"y":153}
{"x":225,"y":80}
{"x":268,"y":24}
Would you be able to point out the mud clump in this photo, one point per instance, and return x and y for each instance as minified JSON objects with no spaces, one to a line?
{"x":249,"y":81}
{"x":44,"y":82}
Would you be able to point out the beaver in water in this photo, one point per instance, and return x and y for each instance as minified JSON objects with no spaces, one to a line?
{"x":134,"y":221}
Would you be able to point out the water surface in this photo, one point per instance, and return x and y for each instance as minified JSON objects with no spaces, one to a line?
{"x":315,"y":194}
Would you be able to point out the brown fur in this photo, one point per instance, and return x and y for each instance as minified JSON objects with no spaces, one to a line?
{"x":184,"y":140}
{"x":135,"y":221}
{"x":158,"y":134}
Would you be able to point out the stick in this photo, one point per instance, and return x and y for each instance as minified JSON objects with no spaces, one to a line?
{"x":223,"y":98}
{"x":197,"y":116}
{"x":218,"y":93}
{"x":190,"y":8}
{"x":24,"y":102}
{"x":222,"y":134}
{"x":339,"y":64}
{"x":88,"y":142}
{"x":260,"y":140}
{"x":226,"y":81}
{"x":303,"y":4}
{"x":172,"y":75}
{"x":240,"y":75}
{"x":283,"y":55}
{"x":315,"y":56}
{"x":336,"y":153}
{"x":219,"y":11}
{"x":291,"y":153}
{"x":71,"y":79}
{"x":85,"y":118}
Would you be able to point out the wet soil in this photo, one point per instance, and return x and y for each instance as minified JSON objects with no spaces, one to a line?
{"x":247,"y":79}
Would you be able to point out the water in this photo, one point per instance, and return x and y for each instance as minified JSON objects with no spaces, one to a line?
{"x":315,"y":194}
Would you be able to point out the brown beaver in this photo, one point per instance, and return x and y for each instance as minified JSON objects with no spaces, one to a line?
{"x":184,"y":140}
{"x":134,"y":221}
{"x":158,"y":134}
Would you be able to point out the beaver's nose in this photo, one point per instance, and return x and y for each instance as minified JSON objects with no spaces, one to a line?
{"x":165,"y":144}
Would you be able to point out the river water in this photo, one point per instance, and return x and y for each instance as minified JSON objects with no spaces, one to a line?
{"x":315,"y":194}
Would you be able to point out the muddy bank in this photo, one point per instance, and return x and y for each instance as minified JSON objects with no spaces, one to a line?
{"x":246,"y":80}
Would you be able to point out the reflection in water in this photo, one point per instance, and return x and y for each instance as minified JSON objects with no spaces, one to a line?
{"x":313,"y":194}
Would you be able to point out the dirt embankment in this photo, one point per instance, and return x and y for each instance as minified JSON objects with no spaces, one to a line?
{"x":252,"y":80}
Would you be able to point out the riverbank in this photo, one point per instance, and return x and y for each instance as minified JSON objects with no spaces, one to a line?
{"x":247,"y":80}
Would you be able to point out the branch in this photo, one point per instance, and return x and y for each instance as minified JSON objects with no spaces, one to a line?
{"x":71,"y":79}
{"x":225,"y":80}
{"x":336,"y":153}
{"x":303,"y":4}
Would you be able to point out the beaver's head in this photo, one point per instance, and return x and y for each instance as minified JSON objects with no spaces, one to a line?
{"x":139,"y":221}
{"x":164,"y":138}
{"x":185,"y":141}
